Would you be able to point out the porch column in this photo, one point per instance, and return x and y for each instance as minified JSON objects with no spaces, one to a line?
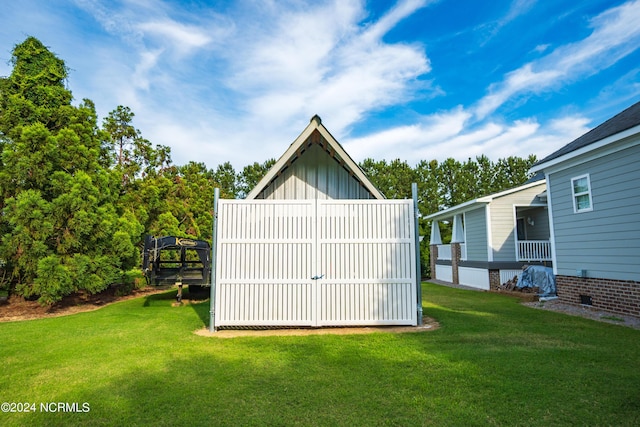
{"x":457,"y":235}
{"x":455,"y":259}
{"x":434,"y":241}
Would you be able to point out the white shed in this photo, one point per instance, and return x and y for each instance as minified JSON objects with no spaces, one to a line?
{"x":315,"y":244}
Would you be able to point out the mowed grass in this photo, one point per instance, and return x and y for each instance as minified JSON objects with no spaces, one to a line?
{"x":492,"y":362}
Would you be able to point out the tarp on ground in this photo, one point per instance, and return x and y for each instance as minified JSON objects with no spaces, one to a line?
{"x":540,"y":277}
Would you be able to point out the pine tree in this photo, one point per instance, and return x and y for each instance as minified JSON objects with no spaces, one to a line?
{"x":61,"y":230}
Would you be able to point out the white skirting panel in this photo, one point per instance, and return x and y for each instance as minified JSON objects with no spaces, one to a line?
{"x":474,"y":277}
{"x":444,"y":273}
{"x":506,"y":275}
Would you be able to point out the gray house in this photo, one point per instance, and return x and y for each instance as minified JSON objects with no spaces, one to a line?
{"x":593,"y":193}
{"x":493,"y":237}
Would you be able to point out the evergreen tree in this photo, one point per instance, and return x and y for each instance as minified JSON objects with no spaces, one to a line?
{"x":251,"y":175}
{"x":61,"y":230}
{"x":133,"y":155}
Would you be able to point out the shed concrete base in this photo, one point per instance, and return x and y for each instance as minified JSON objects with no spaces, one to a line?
{"x":428,"y":324}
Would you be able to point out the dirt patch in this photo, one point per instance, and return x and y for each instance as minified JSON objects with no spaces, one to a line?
{"x":586,"y":312}
{"x":428,"y":324}
{"x":17,"y":308}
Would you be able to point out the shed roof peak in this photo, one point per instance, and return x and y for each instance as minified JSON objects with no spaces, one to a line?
{"x":299,"y":148}
{"x":316,"y":118}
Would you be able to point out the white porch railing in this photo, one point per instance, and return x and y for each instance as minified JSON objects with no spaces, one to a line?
{"x":534,"y":250}
{"x":444,"y":251}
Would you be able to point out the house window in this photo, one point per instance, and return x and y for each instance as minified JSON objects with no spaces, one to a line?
{"x":581,"y":189}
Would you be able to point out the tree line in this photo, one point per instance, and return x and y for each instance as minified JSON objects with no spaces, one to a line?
{"x":77,"y":196}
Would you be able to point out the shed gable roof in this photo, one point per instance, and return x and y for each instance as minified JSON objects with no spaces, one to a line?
{"x":315,"y":133}
{"x":620,"y":122}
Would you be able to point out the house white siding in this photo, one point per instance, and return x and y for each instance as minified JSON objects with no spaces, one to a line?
{"x":503,"y":229}
{"x":603,"y":242}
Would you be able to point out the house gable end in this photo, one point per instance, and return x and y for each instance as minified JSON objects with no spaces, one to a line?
{"x":315,"y":166}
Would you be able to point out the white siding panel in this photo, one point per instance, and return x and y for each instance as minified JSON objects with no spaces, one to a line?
{"x":474,"y":277}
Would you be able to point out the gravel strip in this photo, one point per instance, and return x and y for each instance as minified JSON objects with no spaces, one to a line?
{"x":586,"y":312}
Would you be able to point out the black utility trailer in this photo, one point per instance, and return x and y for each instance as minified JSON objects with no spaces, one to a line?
{"x":178,"y":261}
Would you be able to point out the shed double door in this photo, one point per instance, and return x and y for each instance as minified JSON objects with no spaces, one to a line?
{"x":315,"y":263}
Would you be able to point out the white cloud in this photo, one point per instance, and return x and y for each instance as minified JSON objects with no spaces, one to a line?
{"x":541,"y":47}
{"x":516,"y":9}
{"x":615,"y":34}
{"x":412,"y":141}
{"x":397,"y":13}
{"x":449,"y":134}
{"x":471,"y":131}
{"x":240,"y":82}
{"x":183,"y":39}
{"x":148,"y":61}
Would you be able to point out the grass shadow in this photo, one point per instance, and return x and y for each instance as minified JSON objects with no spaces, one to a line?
{"x":152,"y":300}
{"x":202,"y":310}
{"x":199,"y":301}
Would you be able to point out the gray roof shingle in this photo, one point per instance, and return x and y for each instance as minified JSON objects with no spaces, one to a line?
{"x":618,"y":123}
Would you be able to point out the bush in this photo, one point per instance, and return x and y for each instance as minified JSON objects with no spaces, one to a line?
{"x":132,"y":280}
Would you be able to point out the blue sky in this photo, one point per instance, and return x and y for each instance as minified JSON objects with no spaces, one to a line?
{"x":411,"y":79}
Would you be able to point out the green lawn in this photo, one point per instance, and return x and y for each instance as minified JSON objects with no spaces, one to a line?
{"x":492,"y":362}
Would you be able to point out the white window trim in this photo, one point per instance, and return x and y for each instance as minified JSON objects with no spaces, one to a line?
{"x":588,"y":193}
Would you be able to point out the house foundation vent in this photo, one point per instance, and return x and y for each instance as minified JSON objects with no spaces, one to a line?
{"x":586,"y":300}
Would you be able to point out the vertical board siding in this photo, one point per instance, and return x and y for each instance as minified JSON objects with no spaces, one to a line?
{"x":264,"y":255}
{"x":367,"y":256}
{"x":316,"y":175}
{"x":269,"y":252}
